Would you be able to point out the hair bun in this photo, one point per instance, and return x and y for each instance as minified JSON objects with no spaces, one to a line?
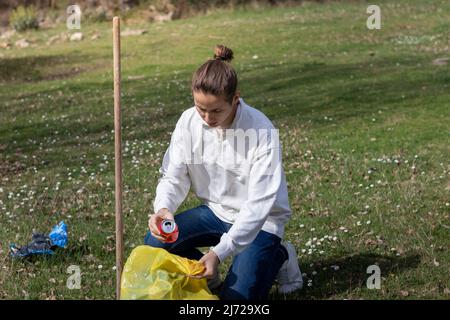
{"x":223,"y":53}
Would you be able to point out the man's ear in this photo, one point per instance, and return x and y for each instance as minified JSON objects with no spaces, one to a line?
{"x":237,"y":95}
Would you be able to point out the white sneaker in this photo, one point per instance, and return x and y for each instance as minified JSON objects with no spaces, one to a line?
{"x":289,"y":277}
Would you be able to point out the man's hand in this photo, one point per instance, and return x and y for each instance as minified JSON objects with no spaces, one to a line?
{"x":156,"y":219}
{"x":211,"y":263}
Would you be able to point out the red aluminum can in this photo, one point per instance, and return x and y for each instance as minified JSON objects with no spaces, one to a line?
{"x":168,"y":230}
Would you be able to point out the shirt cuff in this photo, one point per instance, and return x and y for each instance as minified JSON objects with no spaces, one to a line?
{"x":158,"y":206}
{"x":225,"y":248}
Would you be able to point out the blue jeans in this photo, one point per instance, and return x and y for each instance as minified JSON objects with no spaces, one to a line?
{"x":252,"y":272}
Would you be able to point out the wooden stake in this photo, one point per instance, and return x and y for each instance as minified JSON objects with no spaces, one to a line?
{"x":118,"y":154}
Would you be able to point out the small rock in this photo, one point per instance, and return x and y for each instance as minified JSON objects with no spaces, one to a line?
{"x":138,"y":77}
{"x":95,"y":36}
{"x":441,"y":61}
{"x":137,"y":32}
{"x":77,"y":36}
{"x":5,"y":45}
{"x":163,"y":17}
{"x":64,"y":36}
{"x":404,"y":293}
{"x":8,"y":34}
{"x":53,"y":39}
{"x":22,"y":43}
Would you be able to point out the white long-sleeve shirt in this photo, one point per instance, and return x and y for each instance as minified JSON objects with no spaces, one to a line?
{"x":243,"y":183}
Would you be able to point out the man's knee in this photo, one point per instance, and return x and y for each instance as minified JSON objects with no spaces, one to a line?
{"x":151,"y":241}
{"x":239,"y":288}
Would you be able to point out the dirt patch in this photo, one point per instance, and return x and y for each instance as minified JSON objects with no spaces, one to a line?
{"x":8,"y":168}
{"x":41,"y":68}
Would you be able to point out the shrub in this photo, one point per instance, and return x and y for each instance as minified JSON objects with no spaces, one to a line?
{"x":24,"y":18}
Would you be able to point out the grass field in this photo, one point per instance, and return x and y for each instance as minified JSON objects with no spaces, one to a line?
{"x":364,"y":118}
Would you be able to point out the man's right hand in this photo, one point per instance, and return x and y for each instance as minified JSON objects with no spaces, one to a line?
{"x":156,"y":219}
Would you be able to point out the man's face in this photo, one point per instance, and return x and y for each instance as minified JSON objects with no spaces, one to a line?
{"x":216,"y":111}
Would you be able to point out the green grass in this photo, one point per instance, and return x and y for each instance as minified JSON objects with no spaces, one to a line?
{"x":363,"y":117}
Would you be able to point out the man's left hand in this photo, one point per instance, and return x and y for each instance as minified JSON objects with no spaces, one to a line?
{"x":211,"y":263}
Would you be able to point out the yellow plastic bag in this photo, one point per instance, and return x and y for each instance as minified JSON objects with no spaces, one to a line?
{"x":155,"y":274}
